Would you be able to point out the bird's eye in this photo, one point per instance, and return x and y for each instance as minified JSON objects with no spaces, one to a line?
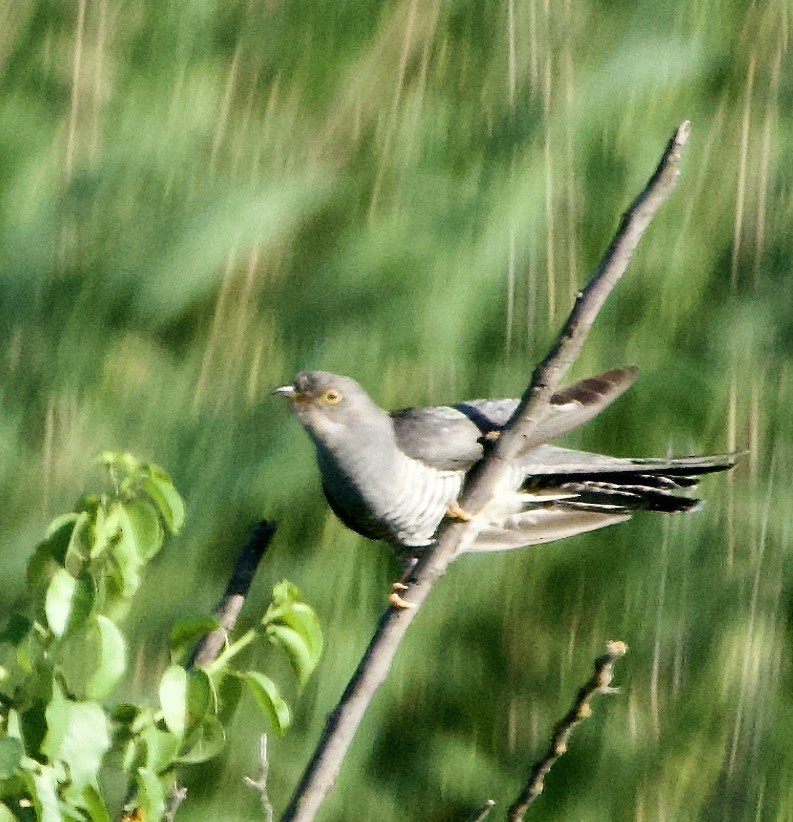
{"x":332,"y":396}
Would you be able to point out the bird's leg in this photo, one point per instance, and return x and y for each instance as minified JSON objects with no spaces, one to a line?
{"x":454,"y":511}
{"x":408,"y":563}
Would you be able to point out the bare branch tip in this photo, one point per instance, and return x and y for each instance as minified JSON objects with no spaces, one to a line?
{"x":178,"y":795}
{"x":479,"y":814}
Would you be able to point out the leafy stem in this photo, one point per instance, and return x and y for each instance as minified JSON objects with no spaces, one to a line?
{"x":230,"y":652}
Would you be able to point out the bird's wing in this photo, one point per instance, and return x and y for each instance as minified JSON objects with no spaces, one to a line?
{"x":450,"y":437}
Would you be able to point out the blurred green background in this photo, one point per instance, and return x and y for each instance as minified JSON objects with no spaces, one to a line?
{"x":199,"y":198}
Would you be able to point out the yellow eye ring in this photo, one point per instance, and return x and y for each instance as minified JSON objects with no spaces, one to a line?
{"x":332,"y":396}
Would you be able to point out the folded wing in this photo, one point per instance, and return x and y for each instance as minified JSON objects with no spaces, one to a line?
{"x":452,"y":437}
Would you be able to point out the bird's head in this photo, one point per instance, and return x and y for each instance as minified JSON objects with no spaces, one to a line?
{"x":330,"y":406}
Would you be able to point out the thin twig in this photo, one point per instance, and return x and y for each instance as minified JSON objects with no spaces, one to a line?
{"x":598,"y":683}
{"x":229,"y":607}
{"x":455,"y":537}
{"x":174,"y":801}
{"x":479,"y":814}
{"x":260,"y":784}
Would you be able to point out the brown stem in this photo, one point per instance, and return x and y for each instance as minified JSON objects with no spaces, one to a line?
{"x":598,"y":683}
{"x":454,"y":537}
{"x":229,"y":607}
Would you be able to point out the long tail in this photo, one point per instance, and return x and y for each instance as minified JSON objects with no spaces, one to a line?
{"x":570,"y":492}
{"x":609,"y":484}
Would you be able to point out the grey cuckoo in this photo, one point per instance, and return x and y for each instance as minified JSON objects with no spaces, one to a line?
{"x":394,"y":476}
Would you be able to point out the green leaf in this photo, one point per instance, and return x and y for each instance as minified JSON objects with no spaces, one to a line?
{"x":269,"y":700}
{"x":63,"y":526}
{"x":28,"y":653}
{"x":78,"y":735}
{"x":169,"y":503}
{"x":93,"y":802}
{"x":17,"y":629}
{"x":173,"y":698}
{"x":201,"y":696}
{"x":106,"y":528}
{"x":161,"y":748}
{"x":303,"y":661}
{"x":11,"y":674}
{"x":78,"y":551}
{"x":292,"y":624}
{"x":120,"y":459}
{"x":116,"y":608}
{"x":11,"y":751}
{"x":302,"y":618}
{"x":44,"y":789}
{"x":203,"y":742}
{"x":151,"y":796}
{"x":140,"y":524}
{"x":31,"y":726}
{"x":41,"y":566}
{"x":6,"y":815}
{"x":68,"y":601}
{"x":129,"y":756}
{"x":186,"y":631}
{"x":126,"y":567}
{"x":93,"y":661}
{"x":229,"y":695}
{"x":285,"y":592}
{"x":287,"y":608}
{"x":50,"y":554}
{"x":88,"y":504}
{"x":58,"y":600}
{"x":13,"y":725}
{"x":114,"y":604}
{"x":112,"y":659}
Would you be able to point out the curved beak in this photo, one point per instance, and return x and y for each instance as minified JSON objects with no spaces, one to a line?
{"x":287,"y":391}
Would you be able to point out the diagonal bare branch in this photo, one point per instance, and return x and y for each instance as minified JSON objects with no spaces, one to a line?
{"x":454,"y":537}
{"x":598,"y":683}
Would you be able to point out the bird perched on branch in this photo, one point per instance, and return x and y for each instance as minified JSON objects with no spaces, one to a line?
{"x":395,"y":476}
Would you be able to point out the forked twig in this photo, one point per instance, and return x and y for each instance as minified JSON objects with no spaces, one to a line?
{"x":260,"y":784}
{"x":454,"y":537}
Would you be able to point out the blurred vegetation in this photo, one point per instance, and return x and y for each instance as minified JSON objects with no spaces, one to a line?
{"x":65,"y":754}
{"x":198,"y":199}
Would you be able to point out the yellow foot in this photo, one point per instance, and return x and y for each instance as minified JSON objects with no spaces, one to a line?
{"x":492,"y":436}
{"x":453,"y":511}
{"x":397,"y":601}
